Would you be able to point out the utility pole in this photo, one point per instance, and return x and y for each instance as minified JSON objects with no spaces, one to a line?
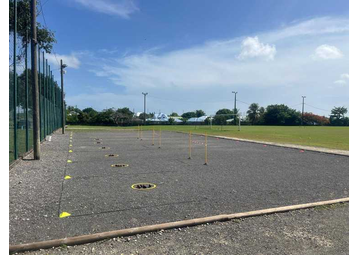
{"x":235,"y":112}
{"x":63,"y":66}
{"x":303,"y":108}
{"x":35,"y":85}
{"x":145,"y":105}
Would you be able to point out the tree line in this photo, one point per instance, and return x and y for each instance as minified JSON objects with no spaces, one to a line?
{"x":278,"y":114}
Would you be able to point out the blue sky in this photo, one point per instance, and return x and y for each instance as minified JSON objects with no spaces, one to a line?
{"x":192,"y":54}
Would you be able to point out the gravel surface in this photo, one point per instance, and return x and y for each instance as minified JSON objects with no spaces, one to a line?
{"x":240,"y":177}
{"x":322,"y":230}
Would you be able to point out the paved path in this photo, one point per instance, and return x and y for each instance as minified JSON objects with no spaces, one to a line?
{"x":240,"y":177}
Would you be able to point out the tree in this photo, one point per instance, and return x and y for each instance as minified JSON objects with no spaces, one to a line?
{"x":92,"y":115}
{"x":122,"y":116}
{"x":72,"y":115}
{"x":253,"y":112}
{"x":45,"y":37}
{"x":281,"y":115}
{"x":314,"y":120}
{"x":174,"y":114}
{"x":337,"y":116}
{"x":199,"y":113}
{"x":188,"y":115}
{"x":227,"y":113}
{"x":171,"y":121}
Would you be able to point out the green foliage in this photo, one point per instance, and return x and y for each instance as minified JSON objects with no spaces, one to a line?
{"x":188,"y":115}
{"x":311,"y":119}
{"x":254,"y":113}
{"x":281,"y":115}
{"x":199,"y":113}
{"x":337,"y":117}
{"x":174,"y":114}
{"x":171,"y":121}
{"x":45,"y":37}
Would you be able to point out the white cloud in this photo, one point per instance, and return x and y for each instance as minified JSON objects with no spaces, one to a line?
{"x":252,"y":47}
{"x":345,"y":76}
{"x":327,"y":52}
{"x":122,"y":8}
{"x":70,"y":60}
{"x":211,"y":70}
{"x":340,"y":82}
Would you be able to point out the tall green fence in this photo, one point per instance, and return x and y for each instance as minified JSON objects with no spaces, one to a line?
{"x":20,"y":89}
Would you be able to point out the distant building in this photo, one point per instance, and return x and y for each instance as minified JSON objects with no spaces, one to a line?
{"x":198,"y":120}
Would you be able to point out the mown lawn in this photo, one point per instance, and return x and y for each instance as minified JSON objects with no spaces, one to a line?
{"x":326,"y":137}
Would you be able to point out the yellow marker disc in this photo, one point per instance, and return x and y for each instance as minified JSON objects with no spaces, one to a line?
{"x":70,"y":151}
{"x":64,"y":214}
{"x":69,"y":161}
{"x":135,"y":186}
{"x":67,"y":177}
{"x":70,"y":145}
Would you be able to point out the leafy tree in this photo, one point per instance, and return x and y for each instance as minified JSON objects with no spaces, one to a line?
{"x":174,"y":114}
{"x":92,"y":115}
{"x":313,"y":119}
{"x":188,"y":115}
{"x":45,"y":37}
{"x":147,"y":116}
{"x":253,"y":113}
{"x":199,"y":113}
{"x":171,"y":121}
{"x":281,"y":115}
{"x":227,"y":113}
{"x":220,"y":120}
{"x":337,"y":117}
{"x":122,"y":116}
{"x":72,"y":115}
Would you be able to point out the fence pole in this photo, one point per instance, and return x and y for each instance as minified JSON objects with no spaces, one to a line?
{"x":26,"y":94}
{"x":15,"y":82}
{"x":153,"y":137}
{"x":35,"y":85}
{"x":62,"y":101}
{"x":206,"y":149}
{"x":160,"y":138}
{"x":189,"y":145}
{"x":40,"y":97}
{"x":43,"y":97}
{"x":138,"y":133}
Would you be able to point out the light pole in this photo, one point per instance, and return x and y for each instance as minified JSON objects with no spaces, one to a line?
{"x":145,"y":104}
{"x":303,"y":108}
{"x":235,"y":112}
{"x":63,"y":110}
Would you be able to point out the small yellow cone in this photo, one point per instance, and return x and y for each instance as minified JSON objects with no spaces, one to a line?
{"x":70,"y":151}
{"x":67,"y":177}
{"x":70,"y":145}
{"x":69,"y":161}
{"x":64,"y":214}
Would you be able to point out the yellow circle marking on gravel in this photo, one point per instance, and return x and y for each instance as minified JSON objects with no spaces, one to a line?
{"x":144,"y":183}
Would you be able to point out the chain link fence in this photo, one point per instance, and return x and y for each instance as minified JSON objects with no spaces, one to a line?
{"x":20,"y":89}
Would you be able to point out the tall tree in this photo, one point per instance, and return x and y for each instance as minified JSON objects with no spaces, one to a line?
{"x":45,"y":37}
{"x":253,"y":113}
{"x":188,"y":115}
{"x":199,"y":113}
{"x":281,"y":115}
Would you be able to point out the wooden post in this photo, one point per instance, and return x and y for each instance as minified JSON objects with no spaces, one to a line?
{"x":206,"y":149}
{"x":189,"y":145}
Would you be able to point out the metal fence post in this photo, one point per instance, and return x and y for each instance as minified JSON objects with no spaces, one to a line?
{"x":26,"y":95}
{"x":15,"y":82}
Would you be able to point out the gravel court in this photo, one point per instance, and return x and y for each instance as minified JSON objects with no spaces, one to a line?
{"x":240,"y":177}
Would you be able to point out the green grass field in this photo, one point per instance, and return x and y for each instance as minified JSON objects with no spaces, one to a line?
{"x":325,"y":137}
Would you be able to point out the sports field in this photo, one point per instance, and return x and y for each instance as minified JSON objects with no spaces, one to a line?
{"x":77,"y":188}
{"x":325,"y":137}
